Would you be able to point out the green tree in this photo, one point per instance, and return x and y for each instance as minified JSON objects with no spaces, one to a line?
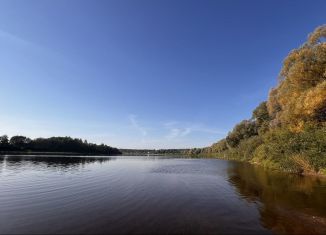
{"x":4,"y":142}
{"x":243,"y":130}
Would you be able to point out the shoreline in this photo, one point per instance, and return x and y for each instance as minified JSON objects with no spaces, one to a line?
{"x":318,"y":175}
{"x":30,"y":153}
{"x":22,"y":153}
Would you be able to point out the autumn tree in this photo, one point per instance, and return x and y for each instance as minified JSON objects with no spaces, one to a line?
{"x":300,"y":96}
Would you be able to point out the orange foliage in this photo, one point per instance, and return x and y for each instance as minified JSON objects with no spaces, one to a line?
{"x":301,"y":93}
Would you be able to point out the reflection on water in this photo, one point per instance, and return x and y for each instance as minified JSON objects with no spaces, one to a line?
{"x":291,"y":204}
{"x":151,"y":195}
{"x":62,"y":163}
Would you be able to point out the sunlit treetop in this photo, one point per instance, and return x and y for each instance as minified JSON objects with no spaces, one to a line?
{"x":300,"y":96}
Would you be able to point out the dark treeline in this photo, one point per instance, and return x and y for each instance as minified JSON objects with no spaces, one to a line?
{"x":54,"y":144}
{"x":288,"y":131}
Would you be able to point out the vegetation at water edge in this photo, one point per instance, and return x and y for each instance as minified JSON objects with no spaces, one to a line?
{"x":288,"y":131}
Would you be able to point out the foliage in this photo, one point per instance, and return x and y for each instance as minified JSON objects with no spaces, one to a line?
{"x":284,"y":147}
{"x":4,"y":141}
{"x":300,"y":96}
{"x":288,"y":131}
{"x":54,"y":144}
{"x":241,"y":131}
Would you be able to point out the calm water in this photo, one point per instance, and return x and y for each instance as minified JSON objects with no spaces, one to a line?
{"x":147,"y":195}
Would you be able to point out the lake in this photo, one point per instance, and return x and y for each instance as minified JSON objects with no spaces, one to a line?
{"x":155,"y":195}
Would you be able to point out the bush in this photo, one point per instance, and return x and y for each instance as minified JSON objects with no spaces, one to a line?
{"x":294,"y":151}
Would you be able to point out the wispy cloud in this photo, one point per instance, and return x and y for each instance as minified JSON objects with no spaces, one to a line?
{"x":135,"y":124}
{"x":179,"y":130}
{"x":13,"y":38}
{"x":34,"y":48}
{"x":207,"y":130}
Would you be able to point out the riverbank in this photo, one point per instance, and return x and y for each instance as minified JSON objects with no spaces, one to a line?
{"x":268,"y":164}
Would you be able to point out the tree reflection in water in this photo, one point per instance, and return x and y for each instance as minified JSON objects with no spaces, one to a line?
{"x":289,"y":204}
{"x":57,"y":163}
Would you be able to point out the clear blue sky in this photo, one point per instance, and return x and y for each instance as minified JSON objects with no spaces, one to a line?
{"x":143,"y":74}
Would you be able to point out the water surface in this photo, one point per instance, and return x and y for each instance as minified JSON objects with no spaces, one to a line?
{"x":155,"y":195}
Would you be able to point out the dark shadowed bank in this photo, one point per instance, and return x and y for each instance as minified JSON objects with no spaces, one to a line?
{"x":288,"y":131}
{"x":53,"y":145}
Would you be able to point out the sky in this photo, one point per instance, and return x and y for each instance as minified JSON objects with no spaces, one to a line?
{"x":143,"y":74}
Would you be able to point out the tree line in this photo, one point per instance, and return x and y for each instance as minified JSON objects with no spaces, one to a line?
{"x":154,"y":151}
{"x":54,"y":144}
{"x":288,"y":131}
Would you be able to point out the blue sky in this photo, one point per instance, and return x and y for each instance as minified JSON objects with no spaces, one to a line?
{"x":143,"y":74}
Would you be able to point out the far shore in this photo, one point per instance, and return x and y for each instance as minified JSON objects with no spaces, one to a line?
{"x":51,"y":153}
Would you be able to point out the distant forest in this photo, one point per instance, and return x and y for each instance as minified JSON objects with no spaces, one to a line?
{"x":288,"y":131}
{"x":54,"y":144}
{"x":154,"y":151}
